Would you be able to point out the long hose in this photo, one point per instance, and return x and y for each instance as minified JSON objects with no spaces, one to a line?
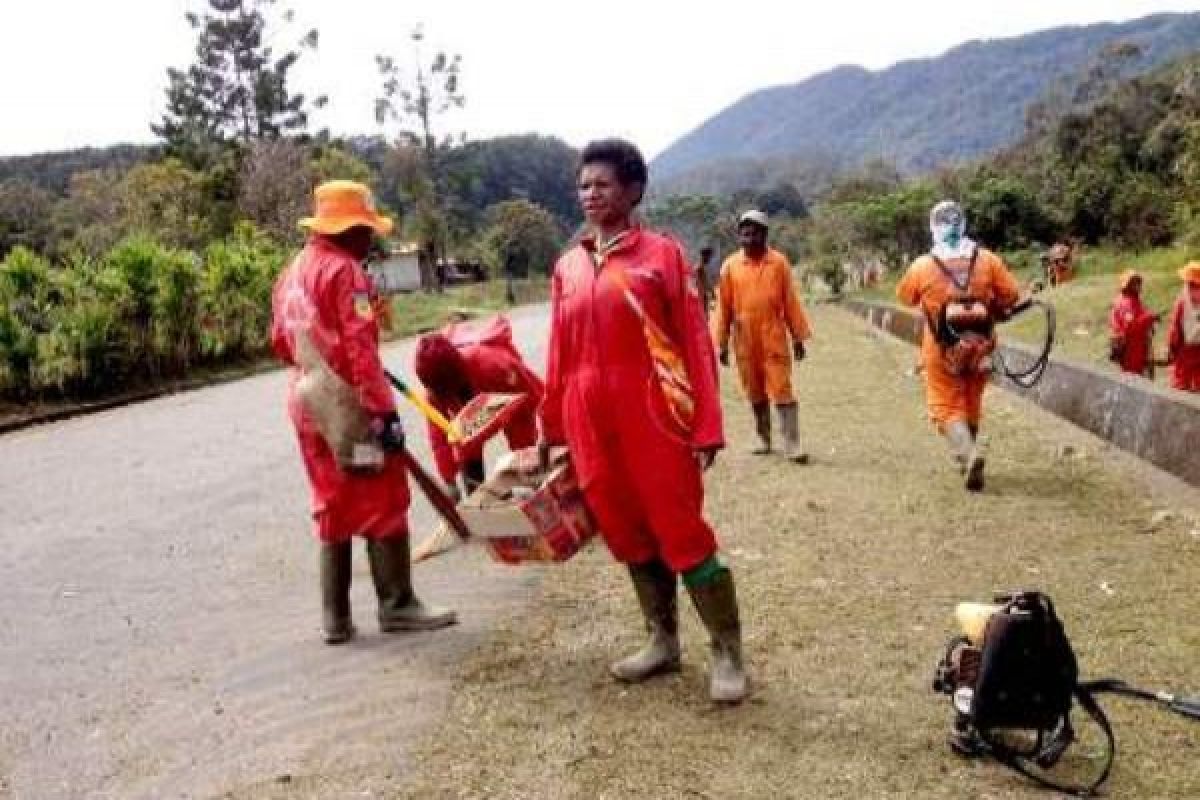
{"x":1186,"y":706}
{"x":1030,"y":376}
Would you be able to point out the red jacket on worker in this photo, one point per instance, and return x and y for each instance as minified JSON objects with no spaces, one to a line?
{"x":1132,"y":324}
{"x":1183,"y":345}
{"x":326,"y":296}
{"x":489,"y":362}
{"x":635,"y":462}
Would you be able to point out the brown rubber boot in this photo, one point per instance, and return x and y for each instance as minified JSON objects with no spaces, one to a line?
{"x":789,"y":422}
{"x":762,"y":426}
{"x":335,"y":569}
{"x":655,"y":586}
{"x":399,"y":608}
{"x":716,"y":602}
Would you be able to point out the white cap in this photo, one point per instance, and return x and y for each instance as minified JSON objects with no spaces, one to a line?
{"x":755,"y":216}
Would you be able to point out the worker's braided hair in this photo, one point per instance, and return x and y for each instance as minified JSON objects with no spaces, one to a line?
{"x":624,"y":158}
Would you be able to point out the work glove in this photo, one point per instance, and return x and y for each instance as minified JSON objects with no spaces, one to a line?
{"x":706,"y":457}
{"x":390,"y":431}
{"x":798,"y":350}
{"x":724,"y":356}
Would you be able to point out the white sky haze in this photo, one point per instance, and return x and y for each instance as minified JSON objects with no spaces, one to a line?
{"x":92,"y":72}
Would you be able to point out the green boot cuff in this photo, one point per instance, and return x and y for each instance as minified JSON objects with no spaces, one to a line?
{"x":704,"y":573}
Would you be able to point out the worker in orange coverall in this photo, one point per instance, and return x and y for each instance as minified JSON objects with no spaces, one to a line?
{"x":1183,"y":337}
{"x":460,"y":362}
{"x":631,"y":391}
{"x":963,"y":290}
{"x":1131,"y":327}
{"x":758,"y":303}
{"x":323,"y":325}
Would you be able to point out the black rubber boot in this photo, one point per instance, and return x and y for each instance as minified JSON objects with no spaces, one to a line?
{"x":716,"y":602}
{"x":399,"y":608}
{"x":474,"y":474}
{"x":762,"y":426}
{"x":655,"y":586}
{"x":335,"y":568}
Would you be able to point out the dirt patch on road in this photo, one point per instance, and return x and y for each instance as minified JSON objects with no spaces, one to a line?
{"x":848,"y":572}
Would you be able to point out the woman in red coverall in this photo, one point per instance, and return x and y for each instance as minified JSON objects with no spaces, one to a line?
{"x":460,"y":362}
{"x":640,"y":445}
{"x":323,"y":326}
{"x":1131,"y":326}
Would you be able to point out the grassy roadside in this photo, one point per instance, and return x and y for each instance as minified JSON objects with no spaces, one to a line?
{"x":848,"y":572}
{"x":418,"y":312}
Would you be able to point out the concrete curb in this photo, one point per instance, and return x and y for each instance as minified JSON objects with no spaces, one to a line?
{"x":1159,"y":425}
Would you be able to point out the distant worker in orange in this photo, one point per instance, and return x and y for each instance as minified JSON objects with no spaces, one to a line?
{"x":1060,"y":266}
{"x":1183,"y":337}
{"x":758,"y":304}
{"x":963,"y":290}
{"x":1131,"y":326}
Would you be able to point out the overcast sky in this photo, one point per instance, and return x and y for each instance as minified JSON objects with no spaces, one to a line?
{"x":92,"y":72}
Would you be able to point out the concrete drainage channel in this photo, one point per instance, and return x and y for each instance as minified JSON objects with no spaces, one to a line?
{"x":1158,"y":425}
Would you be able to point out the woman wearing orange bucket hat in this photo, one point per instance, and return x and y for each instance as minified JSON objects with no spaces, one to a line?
{"x":1131,"y":326}
{"x":1183,"y":337}
{"x":341,"y":404}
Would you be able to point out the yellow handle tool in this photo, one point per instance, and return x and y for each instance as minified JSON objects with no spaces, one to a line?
{"x":430,"y":413}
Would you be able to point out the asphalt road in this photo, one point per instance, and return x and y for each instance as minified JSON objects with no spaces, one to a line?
{"x":159,"y":609}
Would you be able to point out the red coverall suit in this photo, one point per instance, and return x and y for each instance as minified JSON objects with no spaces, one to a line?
{"x":1184,"y":353}
{"x":492,"y":364}
{"x":635,"y":464}
{"x":1133,"y":324}
{"x":325,"y":294}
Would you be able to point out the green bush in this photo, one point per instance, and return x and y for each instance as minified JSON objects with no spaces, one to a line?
{"x":141,"y":313}
{"x":82,"y":353}
{"x":235,"y":300}
{"x":25,"y":314}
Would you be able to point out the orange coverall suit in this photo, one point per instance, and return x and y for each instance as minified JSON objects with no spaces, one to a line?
{"x":1185,"y":357}
{"x":327,"y":295}
{"x":492,"y":364}
{"x":953,"y":398}
{"x":1133,"y":324}
{"x":758,"y":301}
{"x":635,"y":463}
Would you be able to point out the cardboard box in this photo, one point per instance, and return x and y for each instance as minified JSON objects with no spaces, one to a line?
{"x":486,"y":415}
{"x":522,"y":517}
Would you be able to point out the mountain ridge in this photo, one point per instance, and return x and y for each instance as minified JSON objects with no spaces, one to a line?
{"x":923,"y":112}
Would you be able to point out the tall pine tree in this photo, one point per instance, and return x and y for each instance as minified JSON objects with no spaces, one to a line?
{"x":236,"y":90}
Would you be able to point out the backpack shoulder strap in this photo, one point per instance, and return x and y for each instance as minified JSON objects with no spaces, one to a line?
{"x":1027,"y":766}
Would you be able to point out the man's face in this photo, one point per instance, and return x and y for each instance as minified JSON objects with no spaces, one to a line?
{"x":1135,"y":287}
{"x":752,"y":237}
{"x":1193,"y":290}
{"x":357,"y":241}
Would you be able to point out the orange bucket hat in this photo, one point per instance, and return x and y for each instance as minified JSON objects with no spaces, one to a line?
{"x":341,"y":205}
{"x":1191,"y":273}
{"x":1127,"y":278}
